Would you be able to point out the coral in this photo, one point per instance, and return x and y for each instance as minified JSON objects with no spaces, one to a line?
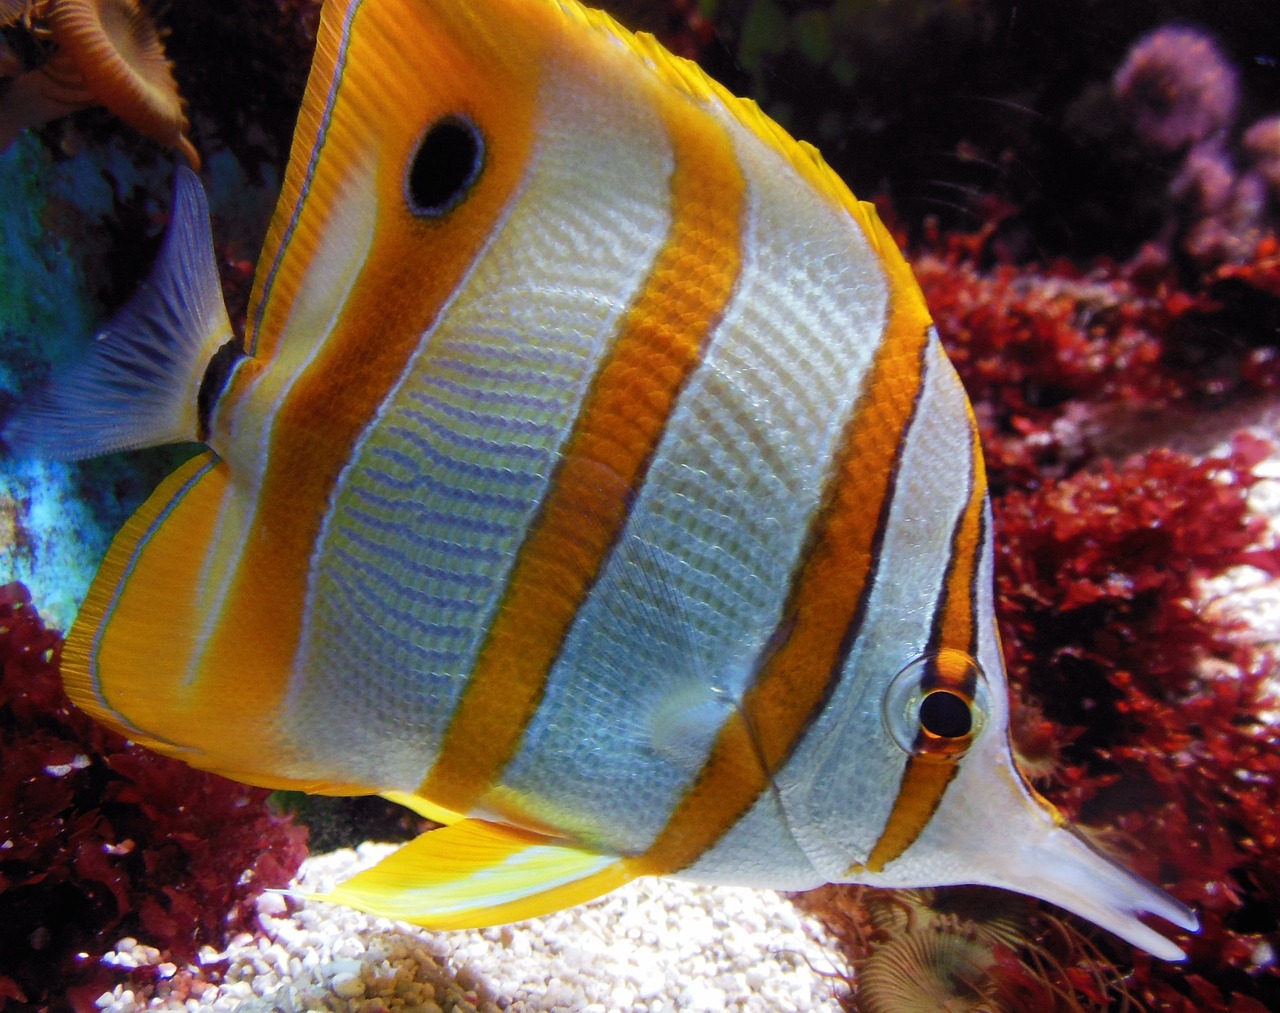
{"x":1098,"y":578}
{"x":1181,"y":95}
{"x":1178,"y":88}
{"x":108,"y":52}
{"x":1065,"y":362}
{"x":103,"y":839}
{"x":1141,"y":713}
{"x":1262,"y":142}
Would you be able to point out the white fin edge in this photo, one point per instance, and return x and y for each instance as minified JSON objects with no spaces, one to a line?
{"x":137,"y":385}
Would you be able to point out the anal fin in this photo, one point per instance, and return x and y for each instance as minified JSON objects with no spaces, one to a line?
{"x":476,"y":873}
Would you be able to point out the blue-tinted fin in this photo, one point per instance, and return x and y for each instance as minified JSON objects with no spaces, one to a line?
{"x":138,"y":384}
{"x":476,"y":873}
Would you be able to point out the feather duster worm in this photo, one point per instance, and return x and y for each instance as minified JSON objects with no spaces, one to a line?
{"x":109,"y":53}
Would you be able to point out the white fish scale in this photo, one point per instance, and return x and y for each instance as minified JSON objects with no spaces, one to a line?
{"x":723,"y":512}
{"x":504,"y":367}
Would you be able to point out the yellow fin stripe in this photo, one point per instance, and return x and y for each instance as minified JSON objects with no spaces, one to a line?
{"x":103,"y":625}
{"x":623,"y":417}
{"x":425,"y":809}
{"x":827,"y":593}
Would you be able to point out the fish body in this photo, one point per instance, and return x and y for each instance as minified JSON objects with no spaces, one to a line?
{"x":590,"y":478}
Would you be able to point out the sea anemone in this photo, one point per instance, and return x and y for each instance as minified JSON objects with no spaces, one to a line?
{"x":109,"y":53}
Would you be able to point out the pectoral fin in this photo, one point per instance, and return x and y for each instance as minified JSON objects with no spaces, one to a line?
{"x":423,"y":807}
{"x":475,"y":873}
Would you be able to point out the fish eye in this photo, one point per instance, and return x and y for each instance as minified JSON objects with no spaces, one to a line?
{"x":936,"y":705}
{"x":944,"y":714}
{"x":445,"y":167}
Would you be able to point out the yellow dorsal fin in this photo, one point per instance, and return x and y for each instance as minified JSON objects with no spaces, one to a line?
{"x":475,"y":873}
{"x":691,"y":80}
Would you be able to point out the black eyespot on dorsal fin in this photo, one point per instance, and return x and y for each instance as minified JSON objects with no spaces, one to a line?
{"x":445,"y":167}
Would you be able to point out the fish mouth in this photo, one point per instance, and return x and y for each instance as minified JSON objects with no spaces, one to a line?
{"x":993,"y":829}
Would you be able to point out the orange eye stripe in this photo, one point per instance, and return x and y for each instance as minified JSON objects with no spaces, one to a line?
{"x":929,"y":772}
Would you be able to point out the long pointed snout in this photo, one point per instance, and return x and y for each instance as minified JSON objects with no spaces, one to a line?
{"x":1061,"y":867}
{"x":992,"y":829}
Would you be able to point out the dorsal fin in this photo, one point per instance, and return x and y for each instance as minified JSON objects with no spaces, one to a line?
{"x":688,"y":78}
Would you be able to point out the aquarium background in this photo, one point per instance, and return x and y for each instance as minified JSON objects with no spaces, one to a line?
{"x":1090,"y":195}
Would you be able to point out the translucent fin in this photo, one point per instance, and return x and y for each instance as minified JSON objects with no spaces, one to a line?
{"x":475,"y":873}
{"x":137,"y":385}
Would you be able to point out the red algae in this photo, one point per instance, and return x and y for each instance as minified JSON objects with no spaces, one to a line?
{"x":100,"y":839}
{"x":1098,"y":579}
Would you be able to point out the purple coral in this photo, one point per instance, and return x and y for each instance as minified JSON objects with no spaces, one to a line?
{"x":1262,"y":141}
{"x":1178,"y":88}
{"x":1180,"y":95}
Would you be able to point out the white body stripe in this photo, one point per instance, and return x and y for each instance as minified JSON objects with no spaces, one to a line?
{"x":428,"y":516}
{"x":842,"y":779}
{"x":324,"y":292}
{"x":672,"y":629}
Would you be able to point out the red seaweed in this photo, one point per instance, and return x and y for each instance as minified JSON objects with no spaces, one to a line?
{"x":100,"y":839}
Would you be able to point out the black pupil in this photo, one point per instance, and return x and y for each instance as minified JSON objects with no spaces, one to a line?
{"x":946,"y":715}
{"x":447,"y":163}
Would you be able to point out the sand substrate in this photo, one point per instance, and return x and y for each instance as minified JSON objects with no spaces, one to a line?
{"x":655,"y":945}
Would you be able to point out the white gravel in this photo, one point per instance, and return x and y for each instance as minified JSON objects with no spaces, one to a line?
{"x":657,"y":945}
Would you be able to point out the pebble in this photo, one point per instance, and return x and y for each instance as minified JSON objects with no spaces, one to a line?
{"x":347,"y":985}
{"x":654,"y":946}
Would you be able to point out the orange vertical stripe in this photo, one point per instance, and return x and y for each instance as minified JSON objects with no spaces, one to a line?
{"x":828,"y":592}
{"x":957,"y":622}
{"x":925,"y":779}
{"x":383,"y":104}
{"x":604,"y":461}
